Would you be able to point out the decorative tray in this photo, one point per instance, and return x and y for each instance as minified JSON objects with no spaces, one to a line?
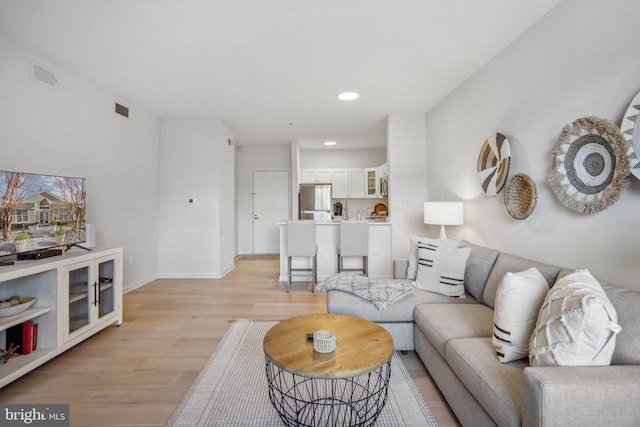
{"x":18,"y":308}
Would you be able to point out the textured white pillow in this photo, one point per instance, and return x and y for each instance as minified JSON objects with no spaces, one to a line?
{"x":441,"y":267}
{"x":577,"y":324}
{"x":518,"y":301}
{"x":412,"y":268}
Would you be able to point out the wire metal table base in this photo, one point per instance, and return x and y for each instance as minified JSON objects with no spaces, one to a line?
{"x":304,"y":401}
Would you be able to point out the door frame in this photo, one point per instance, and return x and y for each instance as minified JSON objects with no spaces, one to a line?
{"x":253,"y":170}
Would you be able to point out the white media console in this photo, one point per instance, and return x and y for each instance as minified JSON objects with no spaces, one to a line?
{"x":78,"y":294}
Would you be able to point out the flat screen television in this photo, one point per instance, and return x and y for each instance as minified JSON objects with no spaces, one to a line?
{"x":40,"y":212}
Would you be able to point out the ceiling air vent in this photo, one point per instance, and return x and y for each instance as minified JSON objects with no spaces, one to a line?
{"x":41,"y":75}
{"x":122,"y":110}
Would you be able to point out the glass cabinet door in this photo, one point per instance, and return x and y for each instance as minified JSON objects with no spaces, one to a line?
{"x":106,"y":295}
{"x":79,"y":295}
{"x":372,"y":182}
{"x":92,"y":294}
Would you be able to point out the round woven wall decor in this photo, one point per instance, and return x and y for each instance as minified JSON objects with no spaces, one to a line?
{"x":520,"y":196}
{"x":630,"y":128}
{"x":590,"y":165}
{"x":493,"y":164}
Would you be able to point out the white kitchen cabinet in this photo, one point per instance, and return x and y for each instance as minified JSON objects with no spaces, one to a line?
{"x":324,"y":176}
{"x":357,"y":183}
{"x":373,"y":188}
{"x":48,"y":280}
{"x":349,"y":183}
{"x":312,"y":176}
{"x":340,"y":187}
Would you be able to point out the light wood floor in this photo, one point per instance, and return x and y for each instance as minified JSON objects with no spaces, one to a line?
{"x":137,"y":374}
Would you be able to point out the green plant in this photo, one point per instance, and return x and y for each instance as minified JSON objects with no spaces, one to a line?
{"x":21,"y":236}
{"x":61,"y":232}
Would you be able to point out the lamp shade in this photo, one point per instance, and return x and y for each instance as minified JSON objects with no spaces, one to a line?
{"x":443,"y":213}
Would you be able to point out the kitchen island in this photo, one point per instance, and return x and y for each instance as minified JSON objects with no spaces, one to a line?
{"x":328,"y":239}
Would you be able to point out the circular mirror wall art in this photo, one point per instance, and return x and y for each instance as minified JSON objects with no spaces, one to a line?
{"x":520,"y":196}
{"x":630,"y":128}
{"x":493,"y":164}
{"x":590,"y":165}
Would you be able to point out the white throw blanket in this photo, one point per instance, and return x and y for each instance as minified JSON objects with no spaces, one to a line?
{"x":380,"y":292}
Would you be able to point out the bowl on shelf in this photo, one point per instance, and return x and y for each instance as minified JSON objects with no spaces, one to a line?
{"x":18,"y":308}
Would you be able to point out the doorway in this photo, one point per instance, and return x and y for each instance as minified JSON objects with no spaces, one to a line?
{"x":271,"y":204}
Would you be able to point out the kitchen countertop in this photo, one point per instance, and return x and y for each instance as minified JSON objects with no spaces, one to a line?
{"x":334,"y":222}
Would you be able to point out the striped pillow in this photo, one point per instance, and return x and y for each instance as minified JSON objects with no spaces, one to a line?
{"x":412,"y":268}
{"x":518,"y":301}
{"x":441,"y":267}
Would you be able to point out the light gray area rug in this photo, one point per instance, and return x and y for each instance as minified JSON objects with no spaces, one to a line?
{"x":231,"y":390}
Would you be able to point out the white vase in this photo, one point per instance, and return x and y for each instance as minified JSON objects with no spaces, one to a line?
{"x":60,"y":240}
{"x":21,"y":245}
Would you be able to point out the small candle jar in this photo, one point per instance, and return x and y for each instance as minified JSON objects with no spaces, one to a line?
{"x":324,"y":341}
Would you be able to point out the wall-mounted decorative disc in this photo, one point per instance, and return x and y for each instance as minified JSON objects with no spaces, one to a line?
{"x":493,"y":164}
{"x":520,"y":196}
{"x":630,"y":128}
{"x":590,"y":165}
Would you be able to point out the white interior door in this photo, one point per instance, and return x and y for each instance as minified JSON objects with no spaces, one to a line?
{"x":270,"y":206}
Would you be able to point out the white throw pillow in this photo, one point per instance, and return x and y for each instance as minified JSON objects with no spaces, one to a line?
{"x":518,"y":300}
{"x":577,"y":324}
{"x":412,"y":268}
{"x":441,"y":267}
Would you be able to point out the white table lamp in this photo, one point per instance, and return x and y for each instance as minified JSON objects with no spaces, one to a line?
{"x":443,"y":213}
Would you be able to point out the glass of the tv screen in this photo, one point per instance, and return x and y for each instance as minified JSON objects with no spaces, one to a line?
{"x":39,"y":212}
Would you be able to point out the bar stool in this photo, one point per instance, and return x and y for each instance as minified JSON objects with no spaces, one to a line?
{"x":354,"y":242}
{"x":301,"y":242}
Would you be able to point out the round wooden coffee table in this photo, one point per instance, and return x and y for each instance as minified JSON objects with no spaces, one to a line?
{"x":345,"y":387}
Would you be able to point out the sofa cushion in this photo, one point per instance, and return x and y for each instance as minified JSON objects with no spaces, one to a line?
{"x":498,"y":387}
{"x":627,"y":305}
{"x":510,"y":263}
{"x":440,"y":323}
{"x":518,"y":301}
{"x":441,"y":267}
{"x":577,"y":325}
{"x":412,"y":267}
{"x":339,"y":302}
{"x":479,"y":265}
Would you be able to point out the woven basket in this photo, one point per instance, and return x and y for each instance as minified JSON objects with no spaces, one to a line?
{"x":520,"y":197}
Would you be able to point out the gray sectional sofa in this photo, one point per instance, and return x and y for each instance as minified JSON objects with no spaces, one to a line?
{"x":452,"y":337}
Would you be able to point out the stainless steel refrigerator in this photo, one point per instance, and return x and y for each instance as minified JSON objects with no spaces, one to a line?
{"x":315,"y":202}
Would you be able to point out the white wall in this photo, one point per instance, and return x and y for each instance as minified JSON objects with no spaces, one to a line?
{"x":197,"y":162}
{"x":248,"y":159}
{"x":72,"y":130}
{"x":310,"y":159}
{"x":407,"y":179}
{"x":582,"y":59}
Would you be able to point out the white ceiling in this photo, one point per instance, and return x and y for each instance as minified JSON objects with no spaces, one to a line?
{"x":271,"y":69}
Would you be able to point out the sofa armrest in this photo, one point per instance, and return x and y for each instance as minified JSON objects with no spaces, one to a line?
{"x":581,"y":396}
{"x":400,"y":268}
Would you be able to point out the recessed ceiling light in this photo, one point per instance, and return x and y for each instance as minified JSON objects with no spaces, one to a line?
{"x":330,"y":143}
{"x":348,"y":96}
